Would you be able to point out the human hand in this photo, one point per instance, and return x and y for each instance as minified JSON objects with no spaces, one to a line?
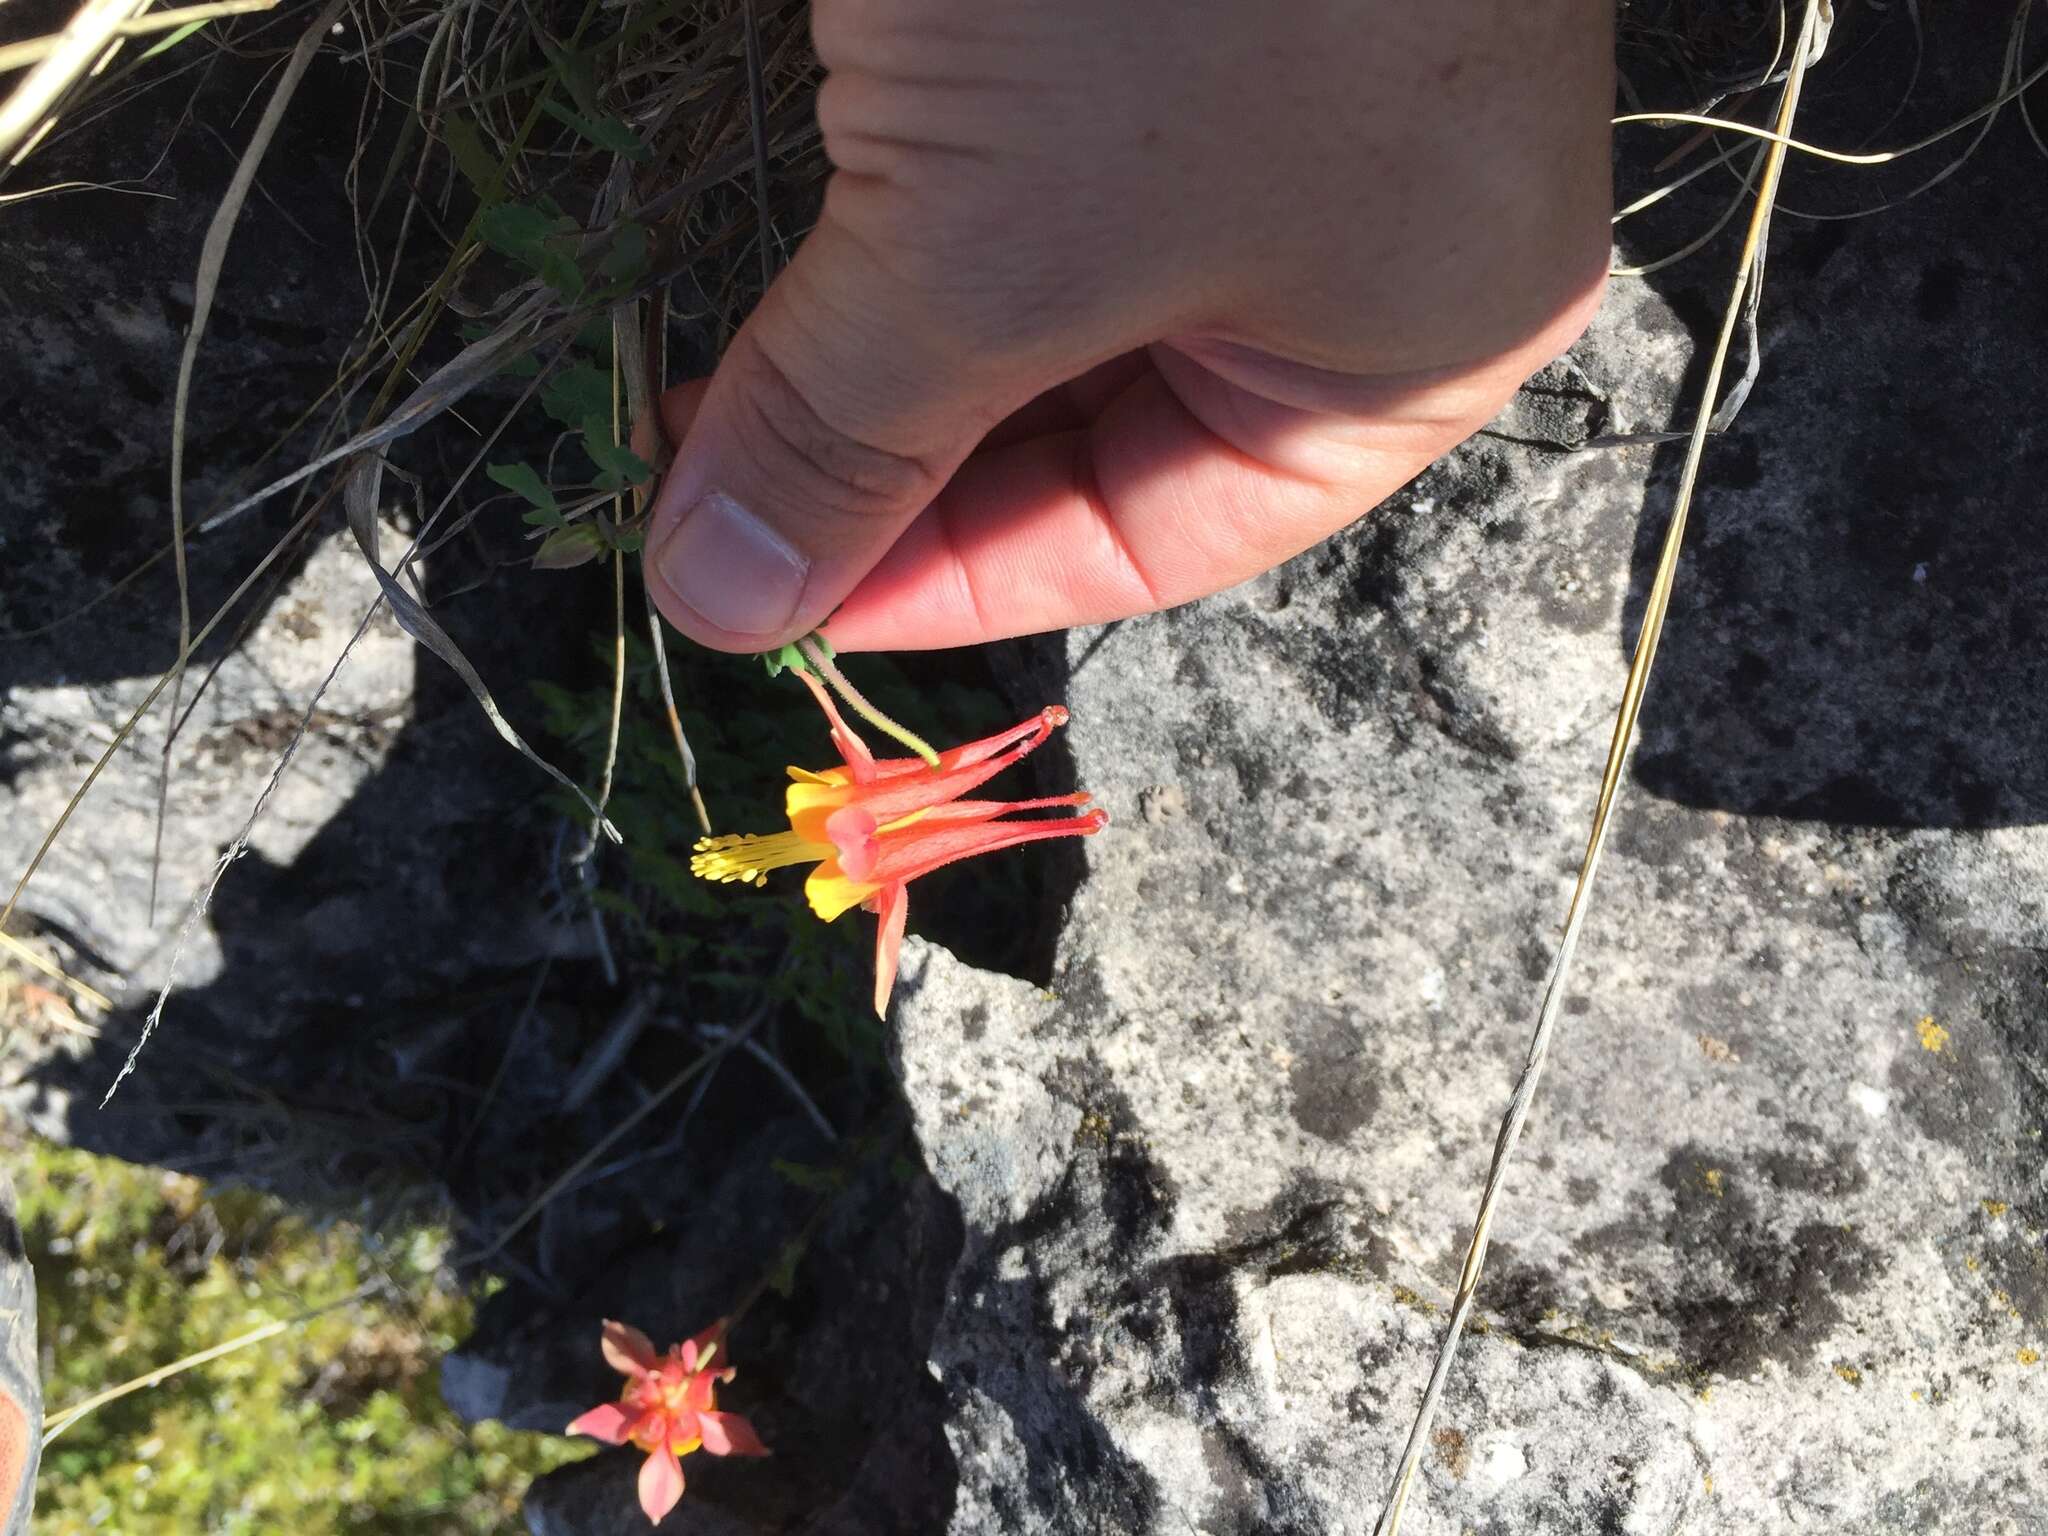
{"x":1113,"y":306}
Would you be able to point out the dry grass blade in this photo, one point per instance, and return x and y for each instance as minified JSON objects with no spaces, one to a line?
{"x":55,"y":1423}
{"x":438,"y":392}
{"x":643,"y":363}
{"x":1706,"y":236}
{"x":123,"y":188}
{"x":1782,"y":140}
{"x":365,"y":483}
{"x":618,"y":709}
{"x":21,"y":55}
{"x":1812,"y":38}
{"x":658,"y":638}
{"x":74,"y":53}
{"x":202,"y":899}
{"x":2008,"y":71}
{"x":22,"y":953}
{"x":213,"y":253}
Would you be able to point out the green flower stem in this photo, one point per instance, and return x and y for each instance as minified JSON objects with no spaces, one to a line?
{"x":814,"y":654}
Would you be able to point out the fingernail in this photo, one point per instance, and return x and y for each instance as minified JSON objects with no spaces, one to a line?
{"x":736,"y":572}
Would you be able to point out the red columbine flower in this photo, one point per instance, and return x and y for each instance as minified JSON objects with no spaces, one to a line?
{"x":873,"y":826}
{"x":669,"y":1409}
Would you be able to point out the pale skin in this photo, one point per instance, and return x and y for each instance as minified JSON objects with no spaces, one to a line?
{"x":1114,"y":304}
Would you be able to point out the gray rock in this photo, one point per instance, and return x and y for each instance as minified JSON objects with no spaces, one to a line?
{"x":1772,"y":1256}
{"x":401,"y":853}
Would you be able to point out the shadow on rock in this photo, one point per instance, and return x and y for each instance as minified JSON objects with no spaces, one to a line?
{"x":1860,"y":628}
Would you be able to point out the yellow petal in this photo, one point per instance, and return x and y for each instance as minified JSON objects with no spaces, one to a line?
{"x":830,"y":892}
{"x":808,"y":805}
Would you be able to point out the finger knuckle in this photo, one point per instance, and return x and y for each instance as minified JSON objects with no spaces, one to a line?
{"x":793,"y":435}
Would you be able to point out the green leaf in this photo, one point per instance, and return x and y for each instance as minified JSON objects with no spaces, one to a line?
{"x":522,"y":231}
{"x":178,"y":35}
{"x":473,"y":157}
{"x":560,"y":272}
{"x":607,"y":132}
{"x":617,"y":465}
{"x":574,"y":71}
{"x":595,"y":337}
{"x":782,"y":1278}
{"x":578,"y":395}
{"x":819,"y":1181}
{"x":626,"y":260}
{"x":566,"y":548}
{"x":523,"y":480}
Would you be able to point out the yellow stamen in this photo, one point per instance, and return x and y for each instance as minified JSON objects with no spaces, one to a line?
{"x":748,"y":856}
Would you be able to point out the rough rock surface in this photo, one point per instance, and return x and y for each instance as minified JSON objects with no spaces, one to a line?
{"x":1772,"y":1257}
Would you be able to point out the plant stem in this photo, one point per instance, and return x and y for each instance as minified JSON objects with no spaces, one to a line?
{"x":814,"y":653}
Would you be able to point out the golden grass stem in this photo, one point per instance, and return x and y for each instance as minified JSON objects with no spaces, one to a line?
{"x":1618,"y":749}
{"x":56,"y":1422}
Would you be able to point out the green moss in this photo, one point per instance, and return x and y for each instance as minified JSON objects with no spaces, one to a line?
{"x":335,"y":1425}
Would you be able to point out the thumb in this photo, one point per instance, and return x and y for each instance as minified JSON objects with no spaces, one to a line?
{"x":842,"y":406}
